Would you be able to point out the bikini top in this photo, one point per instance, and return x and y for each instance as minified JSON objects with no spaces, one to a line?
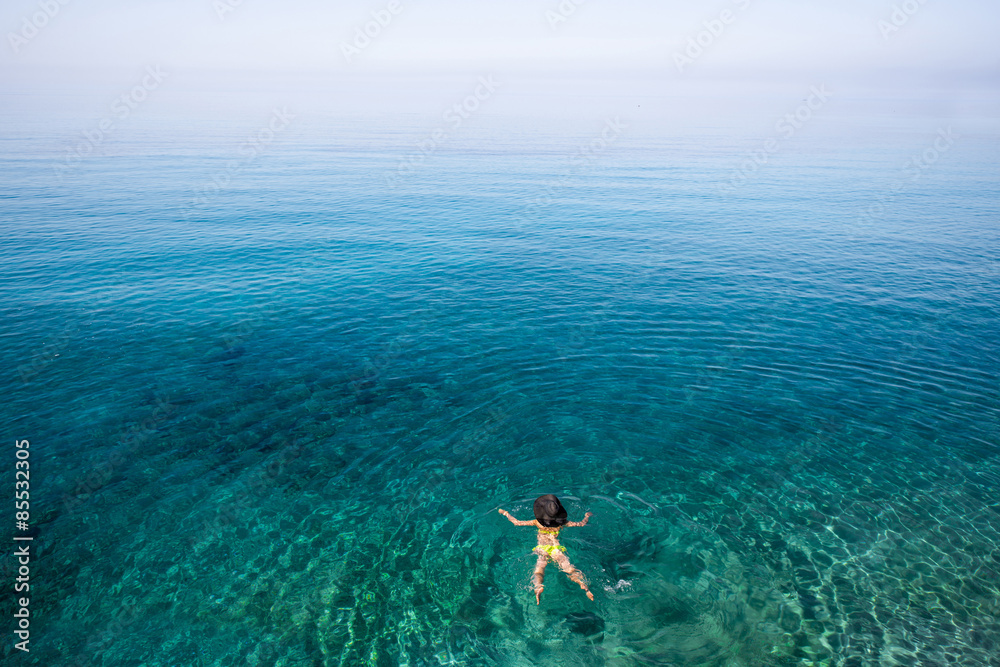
{"x":548,"y":531}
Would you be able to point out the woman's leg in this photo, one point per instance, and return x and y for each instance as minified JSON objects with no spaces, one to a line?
{"x":538,"y":576}
{"x":574,"y":574}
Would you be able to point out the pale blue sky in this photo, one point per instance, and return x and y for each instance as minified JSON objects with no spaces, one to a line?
{"x":763,"y":37}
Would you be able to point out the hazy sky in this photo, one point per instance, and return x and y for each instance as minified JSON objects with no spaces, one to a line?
{"x":752,"y":36}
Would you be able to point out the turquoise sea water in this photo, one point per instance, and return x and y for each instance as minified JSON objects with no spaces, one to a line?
{"x":271,"y":422}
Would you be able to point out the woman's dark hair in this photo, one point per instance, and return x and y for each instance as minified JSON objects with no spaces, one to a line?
{"x":549,"y":511}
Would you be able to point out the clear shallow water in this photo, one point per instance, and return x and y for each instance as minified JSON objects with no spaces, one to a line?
{"x":274,"y":427}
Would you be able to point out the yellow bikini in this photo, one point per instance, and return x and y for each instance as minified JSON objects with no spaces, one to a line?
{"x":549,"y":548}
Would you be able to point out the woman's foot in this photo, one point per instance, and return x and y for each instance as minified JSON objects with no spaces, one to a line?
{"x":590,"y":595}
{"x":538,"y":594}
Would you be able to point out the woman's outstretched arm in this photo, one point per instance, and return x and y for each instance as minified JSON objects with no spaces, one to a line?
{"x":516,"y":522}
{"x":586,"y":518}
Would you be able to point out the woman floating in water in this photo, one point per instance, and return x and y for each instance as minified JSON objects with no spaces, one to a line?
{"x":550,"y":518}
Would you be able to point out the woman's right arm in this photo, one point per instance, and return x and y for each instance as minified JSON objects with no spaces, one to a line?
{"x":514,"y":521}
